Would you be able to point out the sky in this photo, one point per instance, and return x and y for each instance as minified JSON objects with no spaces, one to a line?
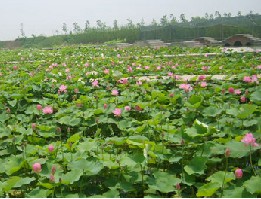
{"x":46,"y":17}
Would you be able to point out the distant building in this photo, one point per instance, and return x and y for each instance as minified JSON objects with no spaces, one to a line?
{"x":207,"y":41}
{"x":242,"y":40}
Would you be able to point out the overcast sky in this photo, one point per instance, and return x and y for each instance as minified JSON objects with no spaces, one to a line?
{"x":47,"y":16}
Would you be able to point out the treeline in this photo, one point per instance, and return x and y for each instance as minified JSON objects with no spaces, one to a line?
{"x":168,"y":29}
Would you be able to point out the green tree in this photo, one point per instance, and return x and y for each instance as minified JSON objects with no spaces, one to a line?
{"x":64,"y":28}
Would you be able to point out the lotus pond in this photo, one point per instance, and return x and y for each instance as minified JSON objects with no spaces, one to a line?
{"x":92,"y":122}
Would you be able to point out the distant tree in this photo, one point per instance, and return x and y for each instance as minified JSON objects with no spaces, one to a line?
{"x":164,"y":21}
{"x":217,"y":14}
{"x":76,"y":28}
{"x":229,"y":14}
{"x":239,"y":13}
{"x":130,"y":23}
{"x":22,"y":30}
{"x":173,"y":19}
{"x":100,"y":24}
{"x":154,"y":23}
{"x":183,"y":18}
{"x":142,"y":23}
{"x":64,"y":28}
{"x":115,"y":24}
{"x":206,"y":16}
{"x":87,"y":25}
{"x":211,"y":16}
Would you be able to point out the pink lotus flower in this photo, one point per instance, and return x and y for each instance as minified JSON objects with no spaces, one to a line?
{"x":247,"y":79}
{"x":123,"y":81}
{"x":205,"y":67}
{"x":62,"y":89}
{"x":231,"y":90}
{"x":53,"y":169}
{"x":15,"y":67}
{"x":118,"y":55}
{"x":87,"y":65}
{"x":139,"y":82}
{"x":176,"y":77}
{"x":186,"y":87}
{"x":258,"y":67}
{"x":67,"y":70}
{"x":117,"y":112}
{"x":51,"y":148}
{"x":69,"y":77}
{"x":147,"y":67}
{"x":39,"y":107}
{"x":178,"y":186}
{"x":95,"y":83}
{"x":37,"y":167}
{"x":105,"y":106}
{"x":106,"y":71}
{"x":114,"y":92}
{"x":203,"y":84}
{"x":237,"y":92}
{"x":243,"y":99}
{"x":238,"y":173}
{"x":47,"y":110}
{"x":254,"y":79}
{"x":52,"y":178}
{"x":127,"y":108}
{"x":201,"y":77}
{"x":129,"y":69}
{"x":34,"y":126}
{"x":158,"y":67}
{"x":249,"y":139}
{"x":227,"y":152}
{"x":170,"y":74}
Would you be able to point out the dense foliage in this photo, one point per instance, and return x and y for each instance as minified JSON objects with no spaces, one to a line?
{"x":104,"y":122}
{"x":168,"y":29}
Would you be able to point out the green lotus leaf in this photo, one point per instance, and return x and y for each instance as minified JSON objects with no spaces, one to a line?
{"x":212,"y":111}
{"x":192,"y":132}
{"x":90,"y":167}
{"x":236,"y":192}
{"x":138,"y":157}
{"x":74,"y":138}
{"x":219,"y":176}
{"x":248,"y":123}
{"x":68,"y":120}
{"x":238,"y":150}
{"x":208,"y":189}
{"x":13,"y":164}
{"x":24,"y":181}
{"x":196,"y":166}
{"x":72,"y":176}
{"x":246,"y":110}
{"x":253,"y":184}
{"x":3,"y":117}
{"x":12,"y":103}
{"x":164,"y":182}
{"x":127,"y":161}
{"x":256,"y":97}
{"x":38,"y":193}
{"x":123,"y":124}
{"x":10,"y":183}
{"x":110,"y":194}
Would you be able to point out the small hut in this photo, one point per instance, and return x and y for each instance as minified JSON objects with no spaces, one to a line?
{"x":242,"y":40}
